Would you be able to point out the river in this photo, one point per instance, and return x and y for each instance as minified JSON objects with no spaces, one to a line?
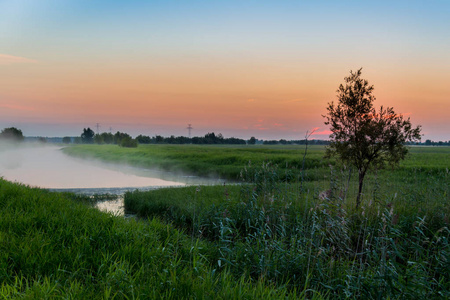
{"x":48,"y":167}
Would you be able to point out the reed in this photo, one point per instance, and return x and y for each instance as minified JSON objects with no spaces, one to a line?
{"x":395,"y":246}
{"x":52,"y":246}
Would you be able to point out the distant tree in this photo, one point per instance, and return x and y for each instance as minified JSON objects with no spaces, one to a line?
{"x":197,"y":140}
{"x":171,"y":139}
{"x":98,"y":139}
{"x":143,"y":139}
{"x":234,"y":141}
{"x":212,"y":138}
{"x":119,"y":136}
{"x":107,"y":138}
{"x":271,"y":142}
{"x":87,"y":137}
{"x":252,"y":141}
{"x":42,"y":140}
{"x":159,"y":139}
{"x":12,"y":134}
{"x":363,"y":137}
{"x":67,"y":140}
{"x":128,"y":142}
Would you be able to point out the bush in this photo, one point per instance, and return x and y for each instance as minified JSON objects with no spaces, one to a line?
{"x":12,"y":134}
{"x":128,"y":142}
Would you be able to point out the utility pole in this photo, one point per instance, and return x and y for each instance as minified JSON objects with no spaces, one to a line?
{"x":189,"y":128}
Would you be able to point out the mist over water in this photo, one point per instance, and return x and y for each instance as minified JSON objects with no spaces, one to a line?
{"x":48,"y":167}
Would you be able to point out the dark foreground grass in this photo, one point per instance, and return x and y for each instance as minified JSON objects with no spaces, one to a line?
{"x":291,"y":234}
{"x":52,"y":247}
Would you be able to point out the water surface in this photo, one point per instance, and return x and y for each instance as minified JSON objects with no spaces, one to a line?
{"x":48,"y":167}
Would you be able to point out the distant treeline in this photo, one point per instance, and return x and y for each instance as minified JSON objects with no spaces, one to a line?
{"x":119,"y":137}
{"x":433,"y":143}
{"x":295,"y":142}
{"x":124,"y":139}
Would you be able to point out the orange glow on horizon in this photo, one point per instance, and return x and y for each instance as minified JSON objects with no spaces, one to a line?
{"x":232,"y":98}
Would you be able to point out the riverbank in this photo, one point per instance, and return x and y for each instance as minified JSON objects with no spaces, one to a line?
{"x":52,"y":246}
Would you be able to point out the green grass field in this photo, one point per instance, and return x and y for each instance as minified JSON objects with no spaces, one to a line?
{"x":228,"y":161}
{"x":54,"y":246}
{"x":224,"y":161}
{"x":284,"y":232}
{"x":274,"y":235}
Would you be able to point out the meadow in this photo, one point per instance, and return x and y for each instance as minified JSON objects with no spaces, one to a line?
{"x":206,"y":160}
{"x":284,"y":227}
{"x":294,"y":232}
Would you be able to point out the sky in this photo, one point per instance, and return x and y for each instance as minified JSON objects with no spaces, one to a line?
{"x":241,"y":68}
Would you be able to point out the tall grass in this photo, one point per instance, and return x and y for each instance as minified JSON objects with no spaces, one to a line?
{"x":296,"y":236}
{"x":52,"y":247}
{"x":395,"y":246}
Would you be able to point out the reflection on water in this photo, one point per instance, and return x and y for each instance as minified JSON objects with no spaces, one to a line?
{"x":48,"y":167}
{"x":112,"y":206}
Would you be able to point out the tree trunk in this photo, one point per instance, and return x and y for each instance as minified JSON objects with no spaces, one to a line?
{"x":361,"y":180}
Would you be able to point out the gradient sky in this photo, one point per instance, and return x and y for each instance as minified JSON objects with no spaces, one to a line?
{"x":242,"y":68}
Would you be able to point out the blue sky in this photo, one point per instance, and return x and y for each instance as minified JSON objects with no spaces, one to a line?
{"x":227,"y":66}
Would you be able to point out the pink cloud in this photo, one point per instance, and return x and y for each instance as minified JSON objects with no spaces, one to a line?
{"x":17,"y":107}
{"x":323,"y":132}
{"x":9,"y":60}
{"x":260,"y":126}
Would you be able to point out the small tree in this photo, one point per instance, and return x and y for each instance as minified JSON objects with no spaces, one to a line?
{"x":363,"y":137}
{"x":87,"y":137}
{"x":12,"y":134}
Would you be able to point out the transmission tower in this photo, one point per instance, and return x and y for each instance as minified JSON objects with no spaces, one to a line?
{"x":98,"y":128}
{"x":189,"y":128}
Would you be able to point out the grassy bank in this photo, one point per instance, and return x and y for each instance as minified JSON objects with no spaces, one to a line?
{"x":395,"y":246}
{"x":224,"y":161}
{"x":228,"y":161}
{"x":53,"y":246}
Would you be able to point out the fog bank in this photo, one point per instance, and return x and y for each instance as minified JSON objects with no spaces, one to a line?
{"x":47,"y":167}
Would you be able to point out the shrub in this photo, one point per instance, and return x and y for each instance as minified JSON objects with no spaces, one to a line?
{"x":128,"y":142}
